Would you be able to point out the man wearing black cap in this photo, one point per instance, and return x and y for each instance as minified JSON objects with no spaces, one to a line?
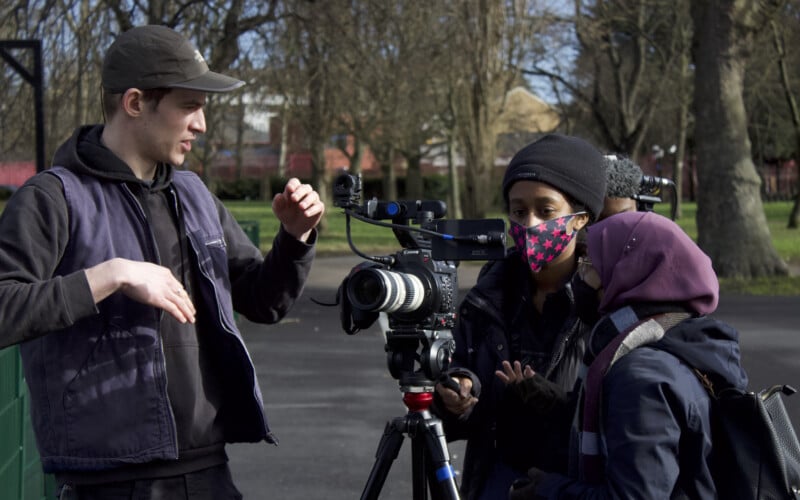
{"x":119,"y":275}
{"x":521,"y":321}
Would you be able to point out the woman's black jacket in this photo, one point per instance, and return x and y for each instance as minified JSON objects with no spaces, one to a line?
{"x":492,"y":317}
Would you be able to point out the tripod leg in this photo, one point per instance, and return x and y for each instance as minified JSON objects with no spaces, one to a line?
{"x":388,"y":449}
{"x":419,"y":470}
{"x":442,"y":476}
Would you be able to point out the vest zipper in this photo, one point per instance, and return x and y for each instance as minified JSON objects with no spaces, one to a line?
{"x":227,"y":329}
{"x":154,"y":251}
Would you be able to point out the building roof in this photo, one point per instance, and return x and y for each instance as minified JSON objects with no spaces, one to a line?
{"x":524,"y":112}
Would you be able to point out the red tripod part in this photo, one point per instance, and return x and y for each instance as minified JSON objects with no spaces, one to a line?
{"x":418,"y":401}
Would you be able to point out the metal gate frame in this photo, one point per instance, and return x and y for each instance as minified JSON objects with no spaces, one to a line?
{"x":21,"y":475}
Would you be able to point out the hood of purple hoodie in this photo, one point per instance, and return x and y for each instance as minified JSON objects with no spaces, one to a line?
{"x":646,"y":257}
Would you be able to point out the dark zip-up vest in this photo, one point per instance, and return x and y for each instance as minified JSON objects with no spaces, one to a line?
{"x":98,"y":388}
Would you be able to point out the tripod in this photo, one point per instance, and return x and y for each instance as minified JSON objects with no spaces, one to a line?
{"x":430,"y":458}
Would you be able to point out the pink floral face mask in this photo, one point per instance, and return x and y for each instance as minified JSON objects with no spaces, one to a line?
{"x":540,"y":244}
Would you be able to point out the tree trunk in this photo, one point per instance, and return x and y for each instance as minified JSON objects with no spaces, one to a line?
{"x":680,"y":154}
{"x":316,"y":133}
{"x":389,"y":176}
{"x":239,"y":148}
{"x":792,"y":104}
{"x":794,"y":216}
{"x":478,"y":193}
{"x":207,"y":151}
{"x":479,"y":156}
{"x":355,"y":158}
{"x":683,"y":120}
{"x":414,"y":182}
{"x":454,"y":191}
{"x":284,"y":154}
{"x":320,"y":180}
{"x":732,"y":227}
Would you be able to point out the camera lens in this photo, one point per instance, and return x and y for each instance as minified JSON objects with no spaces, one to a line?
{"x":387,"y":291}
{"x":343,"y":184}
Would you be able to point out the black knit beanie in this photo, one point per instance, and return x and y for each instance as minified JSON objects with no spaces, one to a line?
{"x":569,"y":164}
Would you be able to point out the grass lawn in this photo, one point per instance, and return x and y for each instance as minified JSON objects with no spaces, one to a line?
{"x":786,"y":242}
{"x":374,"y":240}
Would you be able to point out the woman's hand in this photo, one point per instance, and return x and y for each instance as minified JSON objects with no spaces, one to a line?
{"x":514,"y":375}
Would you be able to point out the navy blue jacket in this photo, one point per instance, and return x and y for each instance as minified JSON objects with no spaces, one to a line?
{"x":672,"y":416}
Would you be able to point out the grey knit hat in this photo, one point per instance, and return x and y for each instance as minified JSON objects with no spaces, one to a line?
{"x":152,"y":56}
{"x":569,"y":164}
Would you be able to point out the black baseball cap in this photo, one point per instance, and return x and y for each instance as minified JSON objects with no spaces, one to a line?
{"x":153,"y":56}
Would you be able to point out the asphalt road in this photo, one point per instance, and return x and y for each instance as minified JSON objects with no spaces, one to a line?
{"x":329,"y":395}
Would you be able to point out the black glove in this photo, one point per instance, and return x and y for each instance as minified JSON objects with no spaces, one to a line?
{"x":525,"y":489}
{"x":540,"y":394}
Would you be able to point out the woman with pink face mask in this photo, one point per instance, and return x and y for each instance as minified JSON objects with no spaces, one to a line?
{"x":643,"y":426}
{"x":525,"y":315}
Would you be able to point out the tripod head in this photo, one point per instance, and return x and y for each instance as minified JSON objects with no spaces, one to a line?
{"x":417,"y":358}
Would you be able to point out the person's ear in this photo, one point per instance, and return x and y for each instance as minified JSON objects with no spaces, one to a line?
{"x":132,"y":102}
{"x":579,"y":221}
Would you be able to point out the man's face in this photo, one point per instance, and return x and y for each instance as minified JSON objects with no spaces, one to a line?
{"x":169,"y":128}
{"x":613,"y":206}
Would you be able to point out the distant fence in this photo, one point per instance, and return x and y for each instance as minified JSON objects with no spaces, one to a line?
{"x":13,"y":174}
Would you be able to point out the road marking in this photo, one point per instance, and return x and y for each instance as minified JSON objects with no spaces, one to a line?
{"x":291,"y":406}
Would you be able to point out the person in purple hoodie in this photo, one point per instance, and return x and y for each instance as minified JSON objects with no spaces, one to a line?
{"x":642,"y":428}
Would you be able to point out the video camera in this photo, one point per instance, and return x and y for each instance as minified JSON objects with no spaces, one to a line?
{"x":417,"y":287}
{"x":650,"y":189}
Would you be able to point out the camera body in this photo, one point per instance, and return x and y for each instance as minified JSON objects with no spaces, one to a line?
{"x":417,"y":292}
{"x":416,"y":287}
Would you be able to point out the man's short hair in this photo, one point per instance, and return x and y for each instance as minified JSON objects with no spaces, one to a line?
{"x":624,"y":178}
{"x":111,"y":101}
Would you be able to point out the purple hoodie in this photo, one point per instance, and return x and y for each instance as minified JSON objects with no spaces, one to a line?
{"x":646,"y":257}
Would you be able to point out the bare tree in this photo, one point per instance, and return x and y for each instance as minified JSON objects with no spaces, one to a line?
{"x":732,"y":227}
{"x":419,"y":86}
{"x":303,"y":69}
{"x":487,"y":49}
{"x":76,"y":33}
{"x":387,"y":59}
{"x":627,"y":50}
{"x":71,"y":55}
{"x":370,"y":66}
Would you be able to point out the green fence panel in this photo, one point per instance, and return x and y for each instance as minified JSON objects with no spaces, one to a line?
{"x":21,"y":475}
{"x":250,"y":228}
